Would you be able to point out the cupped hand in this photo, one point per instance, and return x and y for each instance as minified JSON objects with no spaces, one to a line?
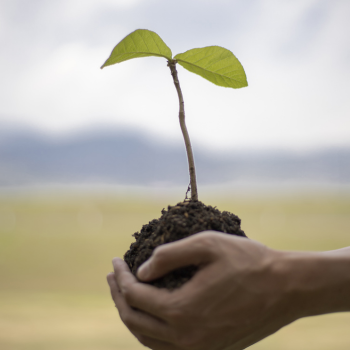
{"x":236,"y":298}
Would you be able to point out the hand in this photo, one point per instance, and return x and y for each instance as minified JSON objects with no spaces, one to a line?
{"x":236,"y":298}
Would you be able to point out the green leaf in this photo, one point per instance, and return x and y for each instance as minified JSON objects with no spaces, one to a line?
{"x":140,"y":43}
{"x":216,"y":64}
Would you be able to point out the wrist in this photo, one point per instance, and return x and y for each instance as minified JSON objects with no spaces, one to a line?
{"x":315,"y":283}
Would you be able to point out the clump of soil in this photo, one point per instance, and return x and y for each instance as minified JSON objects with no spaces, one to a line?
{"x":179,"y":221}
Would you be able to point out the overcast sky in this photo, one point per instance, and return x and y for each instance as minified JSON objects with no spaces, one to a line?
{"x":296,"y":54}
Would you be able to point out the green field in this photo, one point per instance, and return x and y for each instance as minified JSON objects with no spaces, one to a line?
{"x":55,"y":251}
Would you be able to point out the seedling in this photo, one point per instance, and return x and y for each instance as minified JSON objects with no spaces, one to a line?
{"x":222,"y":68}
{"x":214,"y":63}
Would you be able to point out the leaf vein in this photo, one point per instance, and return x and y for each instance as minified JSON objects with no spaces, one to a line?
{"x":220,"y":61}
{"x":206,"y":57}
{"x":144,"y":41}
{"x":156,"y":44}
{"x":132,"y":39}
{"x":214,"y":73}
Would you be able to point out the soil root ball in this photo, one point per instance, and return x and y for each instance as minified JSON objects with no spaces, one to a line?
{"x":179,"y":221}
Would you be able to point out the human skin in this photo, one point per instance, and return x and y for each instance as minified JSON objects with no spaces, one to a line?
{"x":242,"y":293}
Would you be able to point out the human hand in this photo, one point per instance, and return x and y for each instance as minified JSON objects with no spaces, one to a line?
{"x":237,"y":297}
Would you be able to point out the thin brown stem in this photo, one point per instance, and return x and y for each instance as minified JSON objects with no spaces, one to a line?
{"x":192,"y":169}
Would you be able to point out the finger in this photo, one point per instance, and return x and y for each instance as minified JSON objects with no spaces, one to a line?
{"x":194,"y":250}
{"x":120,"y":266}
{"x":139,"y":295}
{"x":122,"y":272}
{"x":137,"y":321}
{"x":155,"y":344}
{"x":113,"y":285}
{"x":141,"y":323}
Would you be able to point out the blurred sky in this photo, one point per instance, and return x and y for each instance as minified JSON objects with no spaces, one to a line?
{"x":296,"y":54}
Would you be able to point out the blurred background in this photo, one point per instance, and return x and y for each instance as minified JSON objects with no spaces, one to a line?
{"x":89,"y":156}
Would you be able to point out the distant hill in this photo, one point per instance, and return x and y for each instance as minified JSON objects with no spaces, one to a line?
{"x":122,"y":157}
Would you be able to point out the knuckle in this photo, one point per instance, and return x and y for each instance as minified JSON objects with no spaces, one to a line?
{"x":209,"y":237}
{"x":127,"y":293}
{"x":208,"y":242}
{"x":159,"y":255}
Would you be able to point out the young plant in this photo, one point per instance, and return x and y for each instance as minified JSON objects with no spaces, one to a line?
{"x":214,"y":63}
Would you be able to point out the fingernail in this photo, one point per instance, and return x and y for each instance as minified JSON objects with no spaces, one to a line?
{"x":143,"y":271}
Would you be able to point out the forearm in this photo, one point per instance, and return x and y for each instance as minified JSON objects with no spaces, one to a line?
{"x":318,"y":282}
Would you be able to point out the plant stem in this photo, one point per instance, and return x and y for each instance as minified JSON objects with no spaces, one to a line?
{"x":192,"y":169}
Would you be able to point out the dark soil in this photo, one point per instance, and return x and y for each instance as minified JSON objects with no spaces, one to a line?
{"x":180,"y":221}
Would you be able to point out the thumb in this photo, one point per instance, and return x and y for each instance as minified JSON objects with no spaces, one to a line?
{"x":194,"y":250}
